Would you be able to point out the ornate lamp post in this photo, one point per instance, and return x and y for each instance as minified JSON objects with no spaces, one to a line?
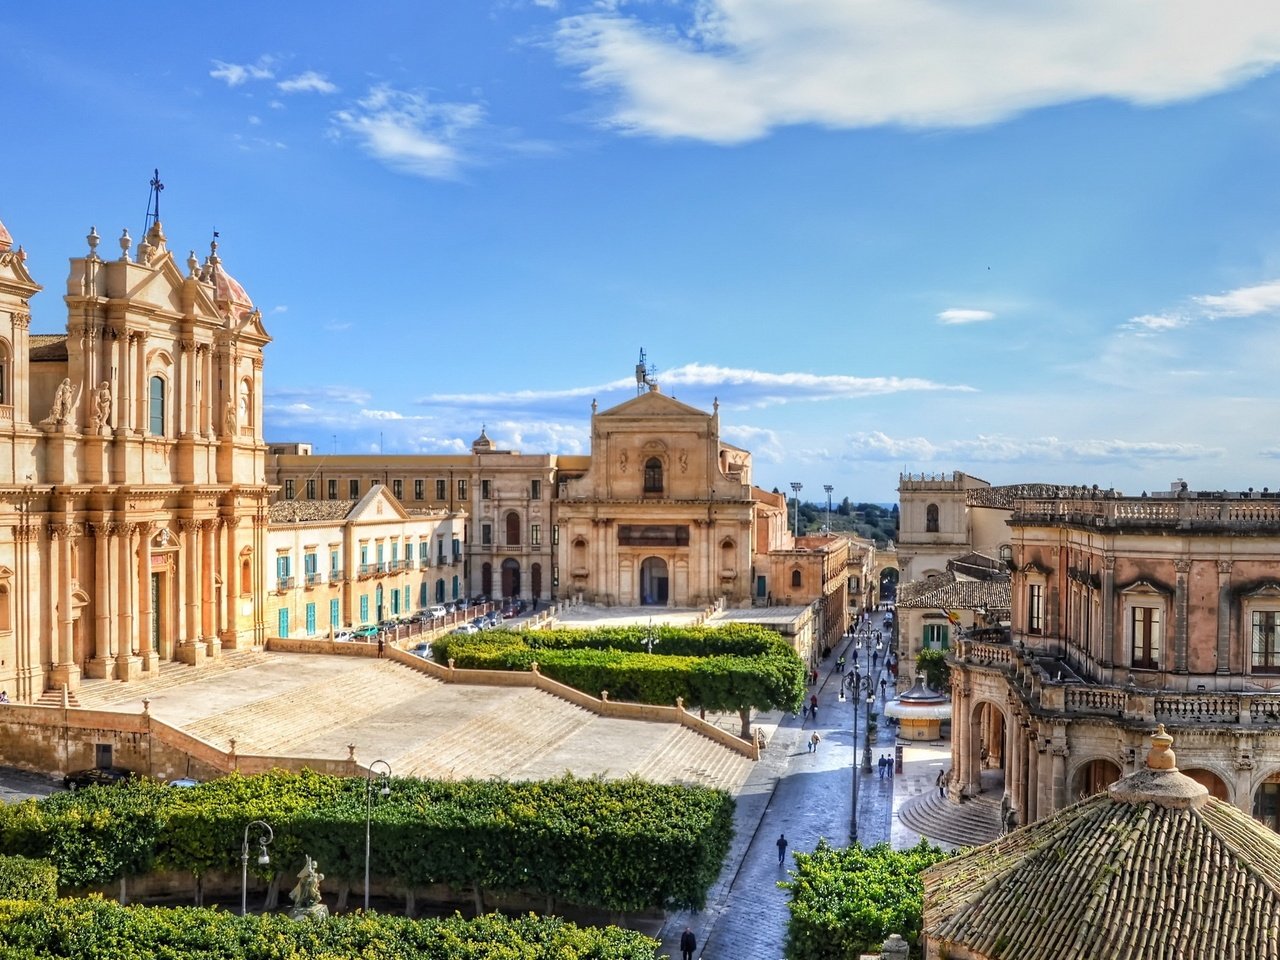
{"x":651,"y":638}
{"x":856,"y":683}
{"x":796,"y":487}
{"x":383,"y":770}
{"x":265,"y":836}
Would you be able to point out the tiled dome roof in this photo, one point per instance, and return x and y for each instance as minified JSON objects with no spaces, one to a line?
{"x":6,"y":239}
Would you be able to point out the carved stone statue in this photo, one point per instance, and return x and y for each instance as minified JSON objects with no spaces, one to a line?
{"x":102,"y":406}
{"x":62,"y":398}
{"x":306,"y":895}
{"x":622,"y":462}
{"x":229,"y":424}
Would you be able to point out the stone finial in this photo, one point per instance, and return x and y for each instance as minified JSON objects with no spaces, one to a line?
{"x":604,"y":696}
{"x":146,"y":706}
{"x":125,"y":243}
{"x":193,"y":263}
{"x":679,"y":703}
{"x":351,"y":752}
{"x":895,"y":948}
{"x":93,"y":240}
{"x":232,"y":742}
{"x":1160,"y":757}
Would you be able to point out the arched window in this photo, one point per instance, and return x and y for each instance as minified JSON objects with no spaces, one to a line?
{"x":6,"y":618}
{"x":795,"y":578}
{"x":513,"y":529}
{"x":157,"y":407}
{"x":653,"y":475}
{"x":4,"y":373}
{"x":931,"y":518}
{"x":246,"y":578}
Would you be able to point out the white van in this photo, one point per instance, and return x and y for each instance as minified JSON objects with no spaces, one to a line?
{"x":438,"y":612}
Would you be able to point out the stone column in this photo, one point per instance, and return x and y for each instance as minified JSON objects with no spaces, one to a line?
{"x":145,"y":613}
{"x":1033,"y":776}
{"x":128,"y":662}
{"x":1180,"y":616}
{"x":124,"y":382}
{"x":66,"y":672}
{"x":230,"y":583}
{"x":100,"y":666}
{"x":208,"y":633}
{"x":191,"y":561}
{"x":1108,"y":610}
{"x":1224,"y":618}
{"x":1060,"y":753}
{"x":1013,"y":765}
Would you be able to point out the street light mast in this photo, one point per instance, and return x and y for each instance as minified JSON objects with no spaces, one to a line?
{"x":796,"y":487}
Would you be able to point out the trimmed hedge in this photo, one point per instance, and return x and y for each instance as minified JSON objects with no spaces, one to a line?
{"x":97,"y":929}
{"x":736,"y":667}
{"x":25,"y":879}
{"x":618,"y":844}
{"x":845,"y":902}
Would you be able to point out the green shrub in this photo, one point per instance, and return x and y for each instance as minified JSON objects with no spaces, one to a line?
{"x":617,"y":844}
{"x":97,"y":929}
{"x":845,"y":902}
{"x":24,"y":879}
{"x":737,"y":667}
{"x":937,"y":672}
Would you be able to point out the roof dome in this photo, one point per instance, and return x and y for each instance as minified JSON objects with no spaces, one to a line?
{"x":6,"y":239}
{"x":226,"y":288}
{"x":481,"y":442}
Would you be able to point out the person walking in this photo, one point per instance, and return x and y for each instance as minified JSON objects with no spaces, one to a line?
{"x":814,"y":740}
{"x":840,"y":665}
{"x":782,"y":848}
{"x":688,"y":944}
{"x":942,"y":783}
{"x":880,"y":766}
{"x":381,"y":646}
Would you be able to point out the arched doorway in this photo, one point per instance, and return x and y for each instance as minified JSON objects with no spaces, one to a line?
{"x":535,"y":581}
{"x":983,"y":770}
{"x":510,"y":578}
{"x":1266,"y":802}
{"x":653,"y":581}
{"x":486,"y":580}
{"x":888,"y":585}
{"x":1211,"y":782}
{"x":1094,"y":777}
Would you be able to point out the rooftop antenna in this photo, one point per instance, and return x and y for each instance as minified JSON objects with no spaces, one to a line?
{"x":153,"y":203}
{"x":645,"y":373}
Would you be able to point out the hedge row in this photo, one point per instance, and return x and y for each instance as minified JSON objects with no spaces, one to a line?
{"x":619,"y":844}
{"x":96,"y":929}
{"x":739,"y":667}
{"x":845,"y":902}
{"x":25,"y":879}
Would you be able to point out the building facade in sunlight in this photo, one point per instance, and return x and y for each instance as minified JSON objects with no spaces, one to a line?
{"x":1127,"y":612}
{"x":132,"y":501}
{"x":662,"y":513}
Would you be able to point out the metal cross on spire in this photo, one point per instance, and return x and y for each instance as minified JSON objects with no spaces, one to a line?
{"x":153,"y":202}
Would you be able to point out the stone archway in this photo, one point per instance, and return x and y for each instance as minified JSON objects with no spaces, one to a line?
{"x":888,"y":585}
{"x":510,"y":578}
{"x":1094,"y":776}
{"x":1216,"y":786}
{"x":988,"y":746}
{"x":654,"y":589}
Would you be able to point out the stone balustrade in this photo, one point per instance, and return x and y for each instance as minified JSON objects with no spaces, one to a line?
{"x":1217,"y":512}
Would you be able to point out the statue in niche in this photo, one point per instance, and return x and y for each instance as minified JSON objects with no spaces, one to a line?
{"x":102,"y":407}
{"x":306,"y":895}
{"x":229,"y":424}
{"x":683,"y":459}
{"x":622,"y":462}
{"x":64,"y":399}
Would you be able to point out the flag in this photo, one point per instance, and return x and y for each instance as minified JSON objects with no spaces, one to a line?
{"x":953,"y":617}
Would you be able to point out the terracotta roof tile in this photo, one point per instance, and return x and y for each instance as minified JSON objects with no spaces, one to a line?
{"x":309,"y":511}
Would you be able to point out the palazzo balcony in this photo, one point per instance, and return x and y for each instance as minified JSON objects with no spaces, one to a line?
{"x":1050,"y":686}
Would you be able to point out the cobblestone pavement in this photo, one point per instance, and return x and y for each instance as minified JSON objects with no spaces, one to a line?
{"x":804,"y":795}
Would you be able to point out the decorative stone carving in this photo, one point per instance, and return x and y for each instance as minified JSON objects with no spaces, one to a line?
{"x":102,"y":407}
{"x":229,"y":424}
{"x":1224,"y":566}
{"x":683,"y":459}
{"x":63,"y":400}
{"x":622,"y":462}
{"x":306,"y":894}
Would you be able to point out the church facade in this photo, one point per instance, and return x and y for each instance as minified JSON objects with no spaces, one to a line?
{"x":133,"y":510}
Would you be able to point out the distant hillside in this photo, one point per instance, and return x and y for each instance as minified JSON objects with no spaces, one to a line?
{"x":874,"y":521}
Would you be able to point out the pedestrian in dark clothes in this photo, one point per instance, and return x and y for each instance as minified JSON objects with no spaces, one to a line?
{"x":381,"y":646}
{"x":942,"y":783}
{"x":813,"y":708}
{"x":782,"y":848}
{"x":688,"y":944}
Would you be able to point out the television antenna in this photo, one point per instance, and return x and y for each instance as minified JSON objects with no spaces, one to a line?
{"x":645,"y":375}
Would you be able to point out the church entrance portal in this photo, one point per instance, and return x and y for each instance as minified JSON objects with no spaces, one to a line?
{"x":510,"y":578}
{"x":653,"y":581}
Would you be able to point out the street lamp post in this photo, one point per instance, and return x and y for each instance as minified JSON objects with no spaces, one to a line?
{"x":857,"y":683}
{"x":384,"y":775}
{"x":651,"y":638}
{"x":265,"y":836}
{"x":796,"y":487}
{"x":828,"y":487}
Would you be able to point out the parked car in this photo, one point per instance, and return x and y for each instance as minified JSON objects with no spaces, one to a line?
{"x":365,"y":633}
{"x":97,"y":777}
{"x":493,"y":620}
{"x":343,"y":636}
{"x":465,"y":628}
{"x":438,"y":612}
{"x":478,"y":622}
{"x":422,"y":650}
{"x":185,"y":782}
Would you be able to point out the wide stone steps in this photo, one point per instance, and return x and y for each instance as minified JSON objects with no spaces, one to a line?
{"x":683,"y":756}
{"x":275,"y":724}
{"x":97,"y":694}
{"x":969,"y":824}
{"x":499,"y":742}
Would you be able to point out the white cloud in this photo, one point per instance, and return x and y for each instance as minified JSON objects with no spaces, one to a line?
{"x":408,"y":132}
{"x":235,"y":74}
{"x":1035,"y":450}
{"x":308,"y":82}
{"x":1156,"y":322}
{"x":1243,"y":301}
{"x":281,"y":308}
{"x":961,"y":315}
{"x":755,"y":65}
{"x":254,"y":120}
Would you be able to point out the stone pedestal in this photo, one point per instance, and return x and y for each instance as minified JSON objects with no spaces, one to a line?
{"x":96,"y":467}
{"x":128,"y":667}
{"x":60,"y":452}
{"x":65,"y":675}
{"x":192,"y":653}
{"x":229,"y":640}
{"x":100,"y":668}
{"x":213,"y":648}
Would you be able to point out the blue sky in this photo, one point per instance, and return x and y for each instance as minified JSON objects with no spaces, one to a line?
{"x":1033,"y":242}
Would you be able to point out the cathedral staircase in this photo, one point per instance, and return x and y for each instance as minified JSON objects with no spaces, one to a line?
{"x":53,"y":698}
{"x":969,"y":824}
{"x":105,"y":694}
